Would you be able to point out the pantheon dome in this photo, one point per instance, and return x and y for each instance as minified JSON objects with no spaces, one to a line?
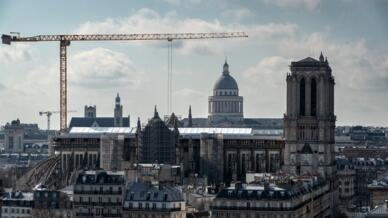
{"x":225,"y":105}
{"x":226,"y":81}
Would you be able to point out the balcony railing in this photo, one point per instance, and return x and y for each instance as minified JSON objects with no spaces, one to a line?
{"x":81,"y":214}
{"x":118,"y":204}
{"x":94,"y":192}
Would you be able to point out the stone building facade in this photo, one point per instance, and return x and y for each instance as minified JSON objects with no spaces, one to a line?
{"x":94,"y":148}
{"x":14,"y":137}
{"x":227,"y":154}
{"x":346,"y":183}
{"x":99,"y":194}
{"x":149,"y":201}
{"x":17,"y":204}
{"x":307,"y":197}
{"x":51,"y":203}
{"x":309,"y":122}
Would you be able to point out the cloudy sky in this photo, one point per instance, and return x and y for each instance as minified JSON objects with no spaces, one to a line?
{"x":352,"y":34}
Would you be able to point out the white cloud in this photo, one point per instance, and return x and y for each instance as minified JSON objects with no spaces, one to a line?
{"x":149,"y":21}
{"x":264,"y":87}
{"x":103,"y":68}
{"x":360,"y":71}
{"x":14,"y":53}
{"x":356,"y":65}
{"x":310,"y":5}
{"x":98,"y":68}
{"x":269,"y":72}
{"x":238,"y":14}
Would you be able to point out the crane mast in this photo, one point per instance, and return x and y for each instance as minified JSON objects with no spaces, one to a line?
{"x":66,"y":39}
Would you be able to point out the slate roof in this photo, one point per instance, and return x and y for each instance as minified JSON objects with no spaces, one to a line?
{"x":140,"y":191}
{"x":102,"y":177}
{"x":98,"y":121}
{"x":259,"y":192}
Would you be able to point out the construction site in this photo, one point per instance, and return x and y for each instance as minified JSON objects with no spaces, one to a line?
{"x":51,"y":172}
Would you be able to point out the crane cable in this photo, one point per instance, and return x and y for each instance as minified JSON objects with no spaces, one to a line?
{"x":169,"y":77}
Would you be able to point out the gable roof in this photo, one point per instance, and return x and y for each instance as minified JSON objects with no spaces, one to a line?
{"x":309,"y":59}
{"x":139,"y":191}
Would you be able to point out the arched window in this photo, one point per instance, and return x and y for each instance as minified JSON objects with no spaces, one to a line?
{"x":302,"y":97}
{"x":313,"y":97}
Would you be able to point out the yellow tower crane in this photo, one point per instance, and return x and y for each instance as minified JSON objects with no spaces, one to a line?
{"x":64,"y":41}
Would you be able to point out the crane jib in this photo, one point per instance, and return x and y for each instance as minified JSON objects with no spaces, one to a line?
{"x":7,"y":39}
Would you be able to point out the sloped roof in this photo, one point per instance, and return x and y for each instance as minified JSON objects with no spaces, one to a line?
{"x":309,"y":59}
{"x":140,"y":191}
{"x":98,"y":122}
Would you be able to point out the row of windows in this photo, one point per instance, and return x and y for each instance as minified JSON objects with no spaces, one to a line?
{"x":226,"y":93}
{"x":101,"y":188}
{"x":16,"y":210}
{"x":146,"y":206}
{"x":249,"y":215}
{"x":131,"y":215}
{"x":89,"y":199}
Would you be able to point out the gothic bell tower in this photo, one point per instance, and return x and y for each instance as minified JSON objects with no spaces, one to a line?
{"x":309,"y":122}
{"x":118,"y":112}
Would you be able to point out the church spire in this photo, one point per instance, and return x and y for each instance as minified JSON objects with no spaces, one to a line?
{"x":138,"y":126}
{"x":321,"y":59}
{"x":118,"y":98}
{"x":190,"y":124}
{"x":156,"y":114}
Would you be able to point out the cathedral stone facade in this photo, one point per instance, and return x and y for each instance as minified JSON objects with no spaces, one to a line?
{"x":310,"y":121}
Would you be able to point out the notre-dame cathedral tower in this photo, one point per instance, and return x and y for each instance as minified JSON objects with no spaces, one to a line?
{"x":309,"y":122}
